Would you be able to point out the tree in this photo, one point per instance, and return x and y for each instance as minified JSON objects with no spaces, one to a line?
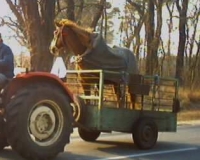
{"x":84,"y":12}
{"x":192,"y":48}
{"x":146,"y":13}
{"x":137,"y":19}
{"x":170,"y":7}
{"x":35,"y":21}
{"x":149,"y":28}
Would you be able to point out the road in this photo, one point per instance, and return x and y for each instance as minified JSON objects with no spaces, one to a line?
{"x":183,"y":145}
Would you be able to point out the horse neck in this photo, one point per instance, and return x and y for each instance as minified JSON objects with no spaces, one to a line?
{"x":74,"y":43}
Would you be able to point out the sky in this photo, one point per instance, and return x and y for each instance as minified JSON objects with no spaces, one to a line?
{"x":6,"y":32}
{"x":5,"y":11}
{"x":117,"y":3}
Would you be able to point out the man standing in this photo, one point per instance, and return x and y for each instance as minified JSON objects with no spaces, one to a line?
{"x":6,"y":63}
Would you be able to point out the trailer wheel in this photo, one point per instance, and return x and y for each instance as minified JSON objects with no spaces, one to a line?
{"x":39,"y":121}
{"x":145,"y":133}
{"x":89,"y":136}
{"x":3,"y":139}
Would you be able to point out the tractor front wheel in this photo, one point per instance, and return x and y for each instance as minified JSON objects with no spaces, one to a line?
{"x":39,"y":121}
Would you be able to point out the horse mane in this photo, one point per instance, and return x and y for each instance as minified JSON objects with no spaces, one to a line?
{"x":69,"y":23}
{"x":82,"y":33}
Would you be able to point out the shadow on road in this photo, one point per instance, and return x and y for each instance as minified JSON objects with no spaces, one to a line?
{"x":107,"y":147}
{"x":71,"y":156}
{"x":9,"y":154}
{"x":125,"y":148}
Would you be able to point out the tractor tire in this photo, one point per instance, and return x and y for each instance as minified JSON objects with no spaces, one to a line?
{"x":39,"y":121}
{"x":145,"y":133}
{"x":89,"y":136}
{"x":3,"y":139}
{"x":77,"y":108}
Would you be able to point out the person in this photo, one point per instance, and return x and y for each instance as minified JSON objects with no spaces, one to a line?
{"x":6,"y":63}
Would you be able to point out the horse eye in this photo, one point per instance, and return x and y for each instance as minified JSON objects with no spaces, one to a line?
{"x":55,"y":32}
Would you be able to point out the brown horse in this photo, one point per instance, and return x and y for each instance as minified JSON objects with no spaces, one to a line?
{"x":92,"y":52}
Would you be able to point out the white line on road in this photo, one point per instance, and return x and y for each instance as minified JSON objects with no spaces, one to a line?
{"x":150,"y":153}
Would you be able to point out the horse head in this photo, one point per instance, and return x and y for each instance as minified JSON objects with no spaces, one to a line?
{"x":71,"y":37}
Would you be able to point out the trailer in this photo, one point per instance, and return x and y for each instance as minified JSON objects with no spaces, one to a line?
{"x":157,"y":106}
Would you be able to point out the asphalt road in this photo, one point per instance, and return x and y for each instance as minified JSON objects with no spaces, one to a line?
{"x":183,"y":145}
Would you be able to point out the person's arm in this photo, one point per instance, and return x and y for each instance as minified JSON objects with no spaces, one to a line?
{"x":7,"y":58}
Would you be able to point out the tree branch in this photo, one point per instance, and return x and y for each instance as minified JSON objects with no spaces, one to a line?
{"x":14,"y":9}
{"x":136,"y":6}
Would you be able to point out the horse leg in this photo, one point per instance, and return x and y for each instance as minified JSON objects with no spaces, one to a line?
{"x":119,"y":94}
{"x":86,"y":89}
{"x":116,"y":91}
{"x":133,"y":100}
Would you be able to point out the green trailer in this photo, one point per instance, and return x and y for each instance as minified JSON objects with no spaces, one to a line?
{"x":157,"y":106}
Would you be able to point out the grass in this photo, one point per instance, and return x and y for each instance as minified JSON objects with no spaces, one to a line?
{"x":190,"y":105}
{"x":189,"y":115}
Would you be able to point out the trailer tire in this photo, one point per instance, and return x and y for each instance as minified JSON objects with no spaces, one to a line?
{"x":39,"y":121}
{"x":145,"y":133}
{"x":89,"y":136}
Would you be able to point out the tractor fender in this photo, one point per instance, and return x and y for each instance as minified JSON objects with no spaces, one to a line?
{"x":24,"y":79}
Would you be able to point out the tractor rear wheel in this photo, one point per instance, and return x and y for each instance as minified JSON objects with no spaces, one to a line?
{"x":145,"y":133}
{"x":3,"y":139}
{"x":89,"y":136}
{"x":39,"y":121}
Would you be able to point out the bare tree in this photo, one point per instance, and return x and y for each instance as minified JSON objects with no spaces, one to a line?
{"x":35,"y":21}
{"x":70,"y":10}
{"x":98,"y":14}
{"x":170,"y":7}
{"x":191,"y":74}
{"x":151,"y":60}
{"x":135,"y":23}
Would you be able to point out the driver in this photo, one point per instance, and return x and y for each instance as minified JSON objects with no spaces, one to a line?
{"x":6,"y":63}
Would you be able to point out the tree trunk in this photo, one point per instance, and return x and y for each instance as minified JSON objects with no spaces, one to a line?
{"x":70,"y":10}
{"x":79,"y":12}
{"x":191,"y":69}
{"x":182,"y":39}
{"x":98,"y":14}
{"x":135,"y":38}
{"x":38,"y":29}
{"x":170,"y":28}
{"x":149,"y":27}
{"x":157,"y":37}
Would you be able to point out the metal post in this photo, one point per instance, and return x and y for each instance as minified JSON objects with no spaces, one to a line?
{"x":101,"y":84}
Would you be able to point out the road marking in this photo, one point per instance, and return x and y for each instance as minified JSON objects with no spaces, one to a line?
{"x":150,"y":153}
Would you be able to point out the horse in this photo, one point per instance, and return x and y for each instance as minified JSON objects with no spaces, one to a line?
{"x":92,"y":52}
